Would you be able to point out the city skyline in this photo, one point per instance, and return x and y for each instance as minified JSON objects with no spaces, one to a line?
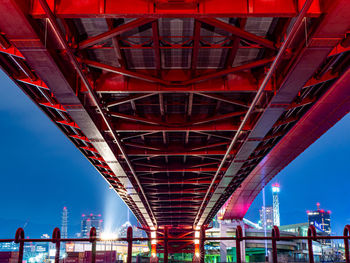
{"x":57,"y":175}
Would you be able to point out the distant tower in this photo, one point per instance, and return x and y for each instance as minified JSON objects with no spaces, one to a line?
{"x":64,"y":223}
{"x":276,"y":204}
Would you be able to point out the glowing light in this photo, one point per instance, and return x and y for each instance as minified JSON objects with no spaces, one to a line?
{"x":153,"y":242}
{"x":276,"y":188}
{"x":197,"y":254}
{"x":154,"y":255}
{"x":196,"y":241}
{"x":153,"y":234}
{"x":108,"y":235}
{"x":196,"y":234}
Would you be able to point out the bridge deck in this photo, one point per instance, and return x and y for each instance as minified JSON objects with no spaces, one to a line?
{"x":155,"y":95}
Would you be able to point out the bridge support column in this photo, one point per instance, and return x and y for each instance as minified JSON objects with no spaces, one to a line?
{"x":153,"y":258}
{"x":223,"y":249}
{"x":201,"y":245}
{"x":241,"y":223}
{"x":166,"y":244}
{"x":224,"y":227}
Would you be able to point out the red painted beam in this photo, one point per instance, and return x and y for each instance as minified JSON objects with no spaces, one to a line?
{"x":175,"y":121}
{"x":238,"y":32}
{"x":234,"y":82}
{"x":173,"y":152}
{"x":179,"y":199}
{"x":176,"y":148}
{"x":198,"y":182}
{"x":129,"y":99}
{"x":11,"y":51}
{"x":235,"y":45}
{"x":224,"y":72}
{"x":216,"y":118}
{"x":114,"y":32}
{"x":141,"y":8}
{"x":225,"y":99}
{"x":176,"y":192}
{"x":203,"y":77}
{"x":131,"y":126}
{"x":124,"y":72}
{"x":174,"y":169}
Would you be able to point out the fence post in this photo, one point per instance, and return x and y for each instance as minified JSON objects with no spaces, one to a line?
{"x":312,"y":236}
{"x":166,"y":244}
{"x":56,"y":239}
{"x":129,"y":238}
{"x":346,"y":243}
{"x":92,"y":240}
{"x":19,"y":239}
{"x":275,"y":233}
{"x":239,"y":235}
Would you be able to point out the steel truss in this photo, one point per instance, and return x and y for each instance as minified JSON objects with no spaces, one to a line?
{"x":158,"y":134}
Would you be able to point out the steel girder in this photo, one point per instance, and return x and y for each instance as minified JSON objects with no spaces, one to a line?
{"x":159,"y":8}
{"x":320,"y":43}
{"x":331,"y":107}
{"x":147,"y":125}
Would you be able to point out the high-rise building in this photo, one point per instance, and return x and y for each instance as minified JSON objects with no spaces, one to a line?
{"x":89,"y":221}
{"x":266,"y":217}
{"x":64,"y":222}
{"x":321,"y":219}
{"x":276,"y":204}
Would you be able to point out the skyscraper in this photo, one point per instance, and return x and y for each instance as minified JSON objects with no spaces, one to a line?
{"x":64,"y":222}
{"x":89,"y":221}
{"x":276,"y":204}
{"x":266,"y":217}
{"x":321,"y":219}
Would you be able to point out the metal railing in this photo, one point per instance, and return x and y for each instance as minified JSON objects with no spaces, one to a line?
{"x":274,"y":238}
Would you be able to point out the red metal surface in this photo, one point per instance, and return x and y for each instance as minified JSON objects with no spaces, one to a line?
{"x":139,"y":8}
{"x":236,"y":31}
{"x":159,"y":102}
{"x":328,"y":110}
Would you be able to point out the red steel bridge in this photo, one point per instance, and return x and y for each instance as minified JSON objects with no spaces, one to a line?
{"x":183,"y":105}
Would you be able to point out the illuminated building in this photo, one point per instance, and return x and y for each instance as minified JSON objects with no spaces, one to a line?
{"x":64,"y":222}
{"x":266,"y":217}
{"x":90,"y":221}
{"x":321,"y":219}
{"x":276,"y":204}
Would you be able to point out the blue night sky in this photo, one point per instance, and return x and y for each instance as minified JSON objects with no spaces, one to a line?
{"x":41,"y":172}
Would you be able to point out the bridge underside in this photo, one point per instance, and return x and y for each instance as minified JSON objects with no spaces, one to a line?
{"x":154,"y":93}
